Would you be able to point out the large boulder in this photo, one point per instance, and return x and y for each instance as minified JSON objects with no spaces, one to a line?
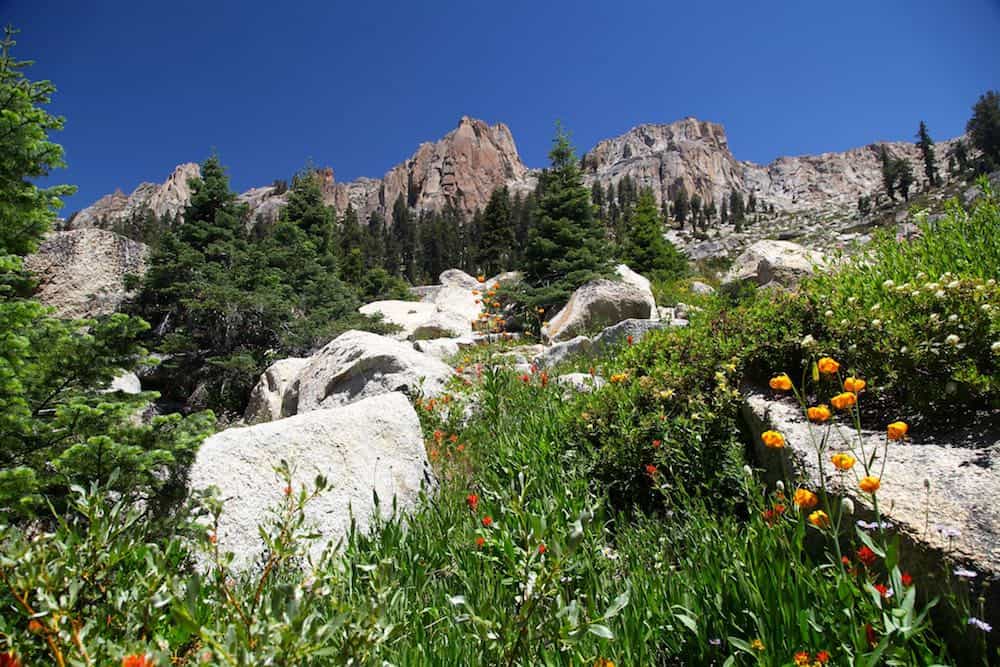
{"x":374,"y":446}
{"x":597,"y":304}
{"x":276,"y":393}
{"x":641,"y":283}
{"x":82,"y":272}
{"x":774,"y":262}
{"x":358,"y":364}
{"x":620,"y":333}
{"x":559,"y":352}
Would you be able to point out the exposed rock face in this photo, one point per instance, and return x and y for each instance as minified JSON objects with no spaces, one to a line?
{"x":775,"y":262}
{"x":694,"y":155}
{"x":350,"y":368}
{"x":596,"y":304}
{"x":690,"y":155}
{"x":163,"y":199}
{"x":374,"y":445}
{"x":464,"y":167}
{"x":963,"y":485}
{"x":82,"y":272}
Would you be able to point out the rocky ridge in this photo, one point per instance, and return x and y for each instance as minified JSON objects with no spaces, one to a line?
{"x":468,"y":163}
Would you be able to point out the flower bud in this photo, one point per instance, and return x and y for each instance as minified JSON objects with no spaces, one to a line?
{"x":847,"y":506}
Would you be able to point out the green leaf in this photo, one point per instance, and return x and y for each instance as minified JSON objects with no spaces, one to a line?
{"x":602,"y":631}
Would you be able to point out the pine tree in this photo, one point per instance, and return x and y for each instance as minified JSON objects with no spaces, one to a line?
{"x":888,"y":174}
{"x":960,"y":154}
{"x":681,"y":206}
{"x":645,"y":250}
{"x":695,"y":211}
{"x":904,"y":177}
{"x":926,"y":145}
{"x":58,"y":427}
{"x":404,"y":239}
{"x":737,"y":210}
{"x":567,"y":247}
{"x":984,"y":128}
{"x":497,"y":241}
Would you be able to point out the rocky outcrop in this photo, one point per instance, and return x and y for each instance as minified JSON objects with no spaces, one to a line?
{"x":775,"y":263}
{"x":370,"y":448}
{"x":114,"y":211}
{"x":694,"y":155}
{"x":81,"y":273}
{"x":447,"y":310}
{"x":354,"y":366}
{"x":463,"y":168}
{"x":689,"y":155}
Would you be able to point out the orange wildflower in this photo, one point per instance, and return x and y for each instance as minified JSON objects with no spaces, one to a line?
{"x":651,"y":470}
{"x":802,"y":659}
{"x":781,"y":382}
{"x":897,"y":430}
{"x":542,"y":548}
{"x":487,"y":521}
{"x":820,"y":519}
{"x":823,"y":657}
{"x":136,"y":660}
{"x":480,"y":541}
{"x":828,"y":366}
{"x":869,"y":484}
{"x":854,"y":385}
{"x":842,"y":461}
{"x":805,"y":499}
{"x":818,"y":414}
{"x":472,"y":500}
{"x":773,"y":439}
{"x":844,"y":401}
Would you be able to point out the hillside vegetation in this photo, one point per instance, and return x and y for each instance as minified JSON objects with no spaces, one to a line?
{"x":622,"y":526}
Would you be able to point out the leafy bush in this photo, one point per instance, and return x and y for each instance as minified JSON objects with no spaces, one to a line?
{"x":928,"y":308}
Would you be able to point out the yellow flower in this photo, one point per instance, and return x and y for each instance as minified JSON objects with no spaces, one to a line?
{"x":844,"y":401}
{"x":898,"y":430}
{"x":781,"y":382}
{"x":802,"y":659}
{"x":481,"y":278}
{"x":820,"y":519}
{"x":618,"y":378}
{"x":805,"y":499}
{"x":773,"y":439}
{"x":843,"y":461}
{"x":828,"y":366}
{"x":869,"y":484}
{"x":603,"y":662}
{"x":818,"y":414}
{"x":757,"y":645}
{"x":854,"y":385}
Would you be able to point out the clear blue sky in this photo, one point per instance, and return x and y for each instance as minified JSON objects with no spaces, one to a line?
{"x":357,"y":85}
